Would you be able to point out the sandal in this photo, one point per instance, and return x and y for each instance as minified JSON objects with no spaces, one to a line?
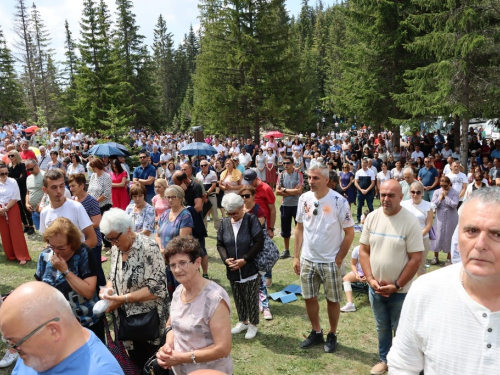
{"x":435,"y":261}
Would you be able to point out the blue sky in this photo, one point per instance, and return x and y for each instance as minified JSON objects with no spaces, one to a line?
{"x":179,"y":14}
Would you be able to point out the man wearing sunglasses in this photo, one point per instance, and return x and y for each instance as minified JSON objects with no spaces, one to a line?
{"x":145,"y":174}
{"x":290,"y":184}
{"x":48,"y":337}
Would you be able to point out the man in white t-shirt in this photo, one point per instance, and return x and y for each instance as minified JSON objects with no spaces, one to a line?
{"x":417,"y":153}
{"x":324,"y":232}
{"x":458,"y":181}
{"x":165,"y":155}
{"x":245,"y":158}
{"x":467,"y":294}
{"x":390,"y":252}
{"x":60,"y":206}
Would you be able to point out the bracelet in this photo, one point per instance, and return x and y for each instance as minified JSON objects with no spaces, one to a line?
{"x":193,"y":358}
{"x":126,"y":298}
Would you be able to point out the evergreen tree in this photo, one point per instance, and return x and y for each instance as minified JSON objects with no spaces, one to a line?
{"x":461,"y":39}
{"x":25,"y":47}
{"x":67,"y":98}
{"x":11,"y":97}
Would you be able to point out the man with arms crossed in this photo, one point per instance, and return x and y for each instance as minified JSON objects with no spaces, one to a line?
{"x":466,"y":295}
{"x":390,"y":252}
{"x":323,"y":235}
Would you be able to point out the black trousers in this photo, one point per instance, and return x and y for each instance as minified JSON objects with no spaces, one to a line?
{"x":103,"y":210}
{"x":246,"y":299}
{"x":142,"y":352}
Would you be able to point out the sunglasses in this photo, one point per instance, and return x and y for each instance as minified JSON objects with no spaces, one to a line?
{"x":418,"y":192}
{"x":479,"y":180}
{"x":30,"y":169}
{"x":204,"y":165}
{"x":286,"y":163}
{"x":4,"y":174}
{"x":316,"y":205}
{"x":11,"y":156}
{"x":142,"y":157}
{"x":246,"y":196}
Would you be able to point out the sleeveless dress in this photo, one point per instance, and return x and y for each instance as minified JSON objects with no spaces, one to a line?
{"x":270,"y":174}
{"x":345,"y":178}
{"x":260,"y":161}
{"x":119,"y":195}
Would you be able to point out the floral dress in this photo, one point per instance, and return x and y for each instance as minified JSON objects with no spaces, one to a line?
{"x":143,"y":220}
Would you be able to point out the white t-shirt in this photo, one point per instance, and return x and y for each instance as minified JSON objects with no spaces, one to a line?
{"x":383,"y":177}
{"x":415,"y":155}
{"x":419,"y":211}
{"x":457,"y":181}
{"x":324,"y":232}
{"x":446,"y":153}
{"x":165,"y":157}
{"x":245,"y":159}
{"x":71,"y":210}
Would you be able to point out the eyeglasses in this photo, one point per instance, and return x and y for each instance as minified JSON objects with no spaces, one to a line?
{"x":11,"y":156}
{"x":418,"y":192}
{"x":233,"y":213}
{"x":286,"y":163}
{"x":382,"y":196}
{"x":246,"y":196}
{"x":142,"y":157}
{"x":16,"y":346}
{"x":478,"y":180}
{"x":4,"y":174}
{"x":113,"y":239}
{"x":204,"y":165}
{"x":30,"y":169}
{"x":60,"y":248}
{"x":170,"y":197}
{"x":182,"y":264}
{"x":316,"y":205}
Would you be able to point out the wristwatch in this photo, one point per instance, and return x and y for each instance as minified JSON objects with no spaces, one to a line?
{"x":272,"y":229}
{"x":397,"y":285}
{"x":65,"y":273}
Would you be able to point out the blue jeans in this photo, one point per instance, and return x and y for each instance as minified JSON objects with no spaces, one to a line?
{"x":36,"y":219}
{"x":386,"y":311}
{"x":361,"y":201}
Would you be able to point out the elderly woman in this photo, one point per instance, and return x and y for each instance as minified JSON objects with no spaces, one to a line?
{"x":76,"y":183}
{"x":11,"y":227}
{"x":423,"y":212}
{"x":137,"y":277}
{"x":141,"y":212}
{"x":445,"y":201}
{"x":239,"y":240}
{"x":231,"y":179}
{"x":176,"y":220}
{"x":199,"y":327}
{"x":17,"y":171}
{"x":69,"y":266}
{"x":75,"y":166}
{"x":477,"y":183}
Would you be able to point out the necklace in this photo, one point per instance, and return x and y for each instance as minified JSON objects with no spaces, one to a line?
{"x":192,"y":298}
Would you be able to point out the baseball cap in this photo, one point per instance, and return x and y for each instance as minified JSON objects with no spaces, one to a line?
{"x":249,"y":176}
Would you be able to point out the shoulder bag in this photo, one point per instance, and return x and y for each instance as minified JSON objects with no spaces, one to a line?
{"x":269,"y":255}
{"x":138,"y":327}
{"x":118,"y":350}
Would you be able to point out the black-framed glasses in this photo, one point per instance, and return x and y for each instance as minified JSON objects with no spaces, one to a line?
{"x":60,"y":248}
{"x":245,"y":195}
{"x":233,"y":213}
{"x":113,"y":239}
{"x":316,"y":205}
{"x":182,"y":264}
{"x":171,"y":197}
{"x":4,"y":174}
{"x":417,"y":192}
{"x":16,"y":345}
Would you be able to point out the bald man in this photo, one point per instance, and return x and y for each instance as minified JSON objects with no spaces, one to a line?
{"x":37,"y":322}
{"x":390,"y":252}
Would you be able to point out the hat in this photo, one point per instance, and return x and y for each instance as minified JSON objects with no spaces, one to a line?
{"x":249,"y":176}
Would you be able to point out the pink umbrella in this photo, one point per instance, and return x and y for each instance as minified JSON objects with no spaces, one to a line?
{"x":274,"y":133}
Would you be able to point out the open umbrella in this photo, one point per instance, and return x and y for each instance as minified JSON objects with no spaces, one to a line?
{"x":274,"y":133}
{"x":197,"y":149}
{"x":63,"y":130}
{"x":103,"y":150}
{"x":119,"y":146}
{"x":31,"y":129}
{"x":35,"y":150}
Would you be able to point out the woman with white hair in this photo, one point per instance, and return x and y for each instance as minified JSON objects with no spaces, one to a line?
{"x":423,"y":212}
{"x":137,"y":278}
{"x":239,"y":240}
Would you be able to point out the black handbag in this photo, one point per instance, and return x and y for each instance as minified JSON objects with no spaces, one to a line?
{"x":152,"y":367}
{"x":139,"y":327}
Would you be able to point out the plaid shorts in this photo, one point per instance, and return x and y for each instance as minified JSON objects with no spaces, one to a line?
{"x":312,"y":275}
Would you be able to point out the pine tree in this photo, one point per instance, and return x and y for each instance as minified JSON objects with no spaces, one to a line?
{"x":67,"y":99}
{"x":25,"y":47}
{"x":11,"y":97}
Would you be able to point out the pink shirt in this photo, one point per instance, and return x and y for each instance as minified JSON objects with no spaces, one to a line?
{"x":160,"y":205}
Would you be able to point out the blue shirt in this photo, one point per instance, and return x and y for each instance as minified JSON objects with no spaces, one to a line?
{"x":143,"y":174}
{"x":427,"y":177}
{"x":155,"y":157}
{"x":92,"y":358}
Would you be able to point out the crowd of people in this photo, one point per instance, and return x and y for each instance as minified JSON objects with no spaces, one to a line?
{"x":151,"y":221}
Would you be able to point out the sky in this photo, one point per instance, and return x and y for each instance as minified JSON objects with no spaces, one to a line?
{"x":179,"y":14}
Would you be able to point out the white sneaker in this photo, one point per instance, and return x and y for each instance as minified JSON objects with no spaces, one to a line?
{"x":8,"y":359}
{"x":349,"y":307}
{"x":252,"y":331}
{"x":240,"y":327}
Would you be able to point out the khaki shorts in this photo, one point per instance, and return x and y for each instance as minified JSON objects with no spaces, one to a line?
{"x":312,"y":275}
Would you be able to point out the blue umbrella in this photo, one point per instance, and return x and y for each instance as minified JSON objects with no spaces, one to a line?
{"x":63,"y":130}
{"x":120,"y":147}
{"x":105,"y":150}
{"x":198,"y":148}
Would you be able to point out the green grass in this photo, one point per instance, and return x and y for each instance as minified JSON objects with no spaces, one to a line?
{"x":275,"y":350}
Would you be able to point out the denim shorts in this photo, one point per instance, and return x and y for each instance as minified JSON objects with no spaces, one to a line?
{"x":313,"y":274}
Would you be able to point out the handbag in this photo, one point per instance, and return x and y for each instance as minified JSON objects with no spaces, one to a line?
{"x":138,"y":327}
{"x":268,"y":256}
{"x":118,"y":351}
{"x":432,"y":234}
{"x":152,"y":367}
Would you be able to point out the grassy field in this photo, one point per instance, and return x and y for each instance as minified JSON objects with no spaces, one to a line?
{"x":275,"y":350}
